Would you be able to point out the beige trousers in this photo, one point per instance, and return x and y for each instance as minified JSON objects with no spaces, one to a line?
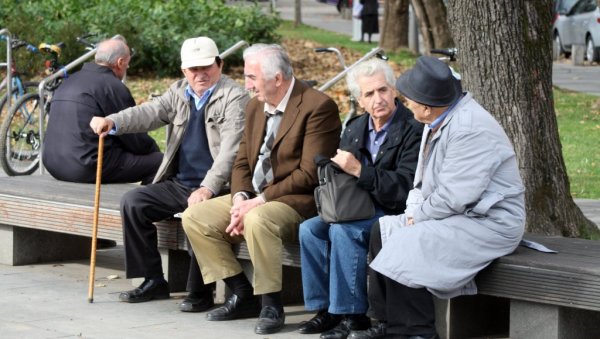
{"x":266,"y":228}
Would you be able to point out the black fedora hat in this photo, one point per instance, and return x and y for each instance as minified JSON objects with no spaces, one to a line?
{"x":429,"y":83}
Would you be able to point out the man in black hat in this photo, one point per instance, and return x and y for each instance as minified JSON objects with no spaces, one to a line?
{"x":466,"y":208}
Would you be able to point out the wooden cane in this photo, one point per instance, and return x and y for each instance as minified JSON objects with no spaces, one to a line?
{"x":95,"y":221}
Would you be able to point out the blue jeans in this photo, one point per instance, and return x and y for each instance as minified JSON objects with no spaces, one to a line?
{"x":334,"y":264}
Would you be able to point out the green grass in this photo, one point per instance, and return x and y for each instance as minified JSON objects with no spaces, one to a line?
{"x":578,"y":115}
{"x":578,"y":118}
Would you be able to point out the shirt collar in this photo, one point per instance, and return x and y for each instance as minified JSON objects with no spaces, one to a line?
{"x":198,"y":101}
{"x":441,"y":118}
{"x":385,"y":126}
{"x":270,"y":110}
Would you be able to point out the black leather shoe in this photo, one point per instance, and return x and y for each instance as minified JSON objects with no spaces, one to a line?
{"x":321,"y":322}
{"x":150,"y":289}
{"x":270,"y":321}
{"x":374,"y":332}
{"x":235,"y":308}
{"x":196,"y":303}
{"x":343,"y":329}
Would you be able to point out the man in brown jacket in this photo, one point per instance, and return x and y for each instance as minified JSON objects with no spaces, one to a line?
{"x":273,"y":178}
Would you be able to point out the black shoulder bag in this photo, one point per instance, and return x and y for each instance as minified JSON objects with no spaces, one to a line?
{"x":338,"y":196}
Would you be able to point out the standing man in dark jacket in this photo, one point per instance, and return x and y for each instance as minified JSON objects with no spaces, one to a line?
{"x":380,"y":149}
{"x":71,"y":148}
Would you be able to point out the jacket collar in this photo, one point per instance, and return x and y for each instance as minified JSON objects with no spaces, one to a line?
{"x":291,"y":111}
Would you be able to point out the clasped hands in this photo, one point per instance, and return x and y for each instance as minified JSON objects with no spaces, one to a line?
{"x":238,"y":211}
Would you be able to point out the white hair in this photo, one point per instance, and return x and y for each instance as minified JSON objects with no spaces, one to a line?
{"x":273,"y":59}
{"x":366,"y":69}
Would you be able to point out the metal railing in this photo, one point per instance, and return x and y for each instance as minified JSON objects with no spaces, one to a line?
{"x":42,"y":91}
{"x":233,"y":48}
{"x":342,"y":74}
{"x":8,"y":64}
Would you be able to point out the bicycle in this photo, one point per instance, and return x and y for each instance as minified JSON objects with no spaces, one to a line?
{"x":19,"y":87}
{"x":20,"y":132}
{"x":375,"y":52}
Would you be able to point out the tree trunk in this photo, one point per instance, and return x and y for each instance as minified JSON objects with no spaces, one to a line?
{"x":433,"y":23}
{"x":505,"y":56}
{"x":297,"y":13}
{"x":395,"y":25}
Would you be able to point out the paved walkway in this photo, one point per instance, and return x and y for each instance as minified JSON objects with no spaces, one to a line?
{"x":50,"y":301}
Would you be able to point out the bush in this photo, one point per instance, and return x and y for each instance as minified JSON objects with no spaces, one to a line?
{"x":154,"y":28}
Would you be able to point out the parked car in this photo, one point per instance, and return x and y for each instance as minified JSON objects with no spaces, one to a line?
{"x":577,"y":23}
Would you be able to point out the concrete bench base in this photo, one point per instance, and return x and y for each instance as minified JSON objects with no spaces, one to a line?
{"x":25,"y":246}
{"x":541,"y":321}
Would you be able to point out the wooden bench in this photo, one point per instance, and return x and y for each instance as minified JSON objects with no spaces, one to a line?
{"x":43,"y":219}
{"x":531,"y":294}
{"x":525,"y":294}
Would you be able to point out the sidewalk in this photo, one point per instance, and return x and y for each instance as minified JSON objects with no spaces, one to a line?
{"x":50,"y":301}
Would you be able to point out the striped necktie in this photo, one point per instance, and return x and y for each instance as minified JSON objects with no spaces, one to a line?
{"x":263,"y":173}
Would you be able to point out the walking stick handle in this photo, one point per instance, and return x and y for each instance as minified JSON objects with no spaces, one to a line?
{"x":95,"y":221}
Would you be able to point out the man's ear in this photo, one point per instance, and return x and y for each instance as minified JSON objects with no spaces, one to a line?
{"x":278,"y":79}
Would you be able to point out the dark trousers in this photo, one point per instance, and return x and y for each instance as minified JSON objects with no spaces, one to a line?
{"x":408,"y":311}
{"x":129,"y":167}
{"x":141,"y":207}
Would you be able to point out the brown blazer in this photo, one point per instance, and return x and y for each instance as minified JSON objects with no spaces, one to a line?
{"x":309,"y":126}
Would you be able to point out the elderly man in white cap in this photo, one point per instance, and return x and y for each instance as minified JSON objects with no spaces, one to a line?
{"x":466,"y":209}
{"x":205,"y":112}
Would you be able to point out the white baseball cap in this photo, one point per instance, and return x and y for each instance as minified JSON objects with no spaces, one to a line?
{"x":199,"y":51}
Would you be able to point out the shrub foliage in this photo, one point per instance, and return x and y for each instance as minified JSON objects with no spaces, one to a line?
{"x":154,"y":28}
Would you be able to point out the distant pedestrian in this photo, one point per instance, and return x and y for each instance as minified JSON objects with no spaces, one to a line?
{"x":370,"y":18}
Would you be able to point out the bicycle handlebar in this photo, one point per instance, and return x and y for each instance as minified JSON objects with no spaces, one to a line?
{"x":18,"y":43}
{"x":83,"y":40}
{"x":449,"y":52}
{"x":333,"y":50}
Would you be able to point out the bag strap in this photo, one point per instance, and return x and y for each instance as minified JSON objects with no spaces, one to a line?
{"x":321,"y":161}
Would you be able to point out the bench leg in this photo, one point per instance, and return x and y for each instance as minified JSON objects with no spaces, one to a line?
{"x":533,"y":320}
{"x":24,"y":246}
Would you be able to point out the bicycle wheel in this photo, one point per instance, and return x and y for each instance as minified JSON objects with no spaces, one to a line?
{"x":28,"y":87}
{"x":20,"y":136}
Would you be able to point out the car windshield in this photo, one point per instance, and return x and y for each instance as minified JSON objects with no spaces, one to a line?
{"x":564,"y":6}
